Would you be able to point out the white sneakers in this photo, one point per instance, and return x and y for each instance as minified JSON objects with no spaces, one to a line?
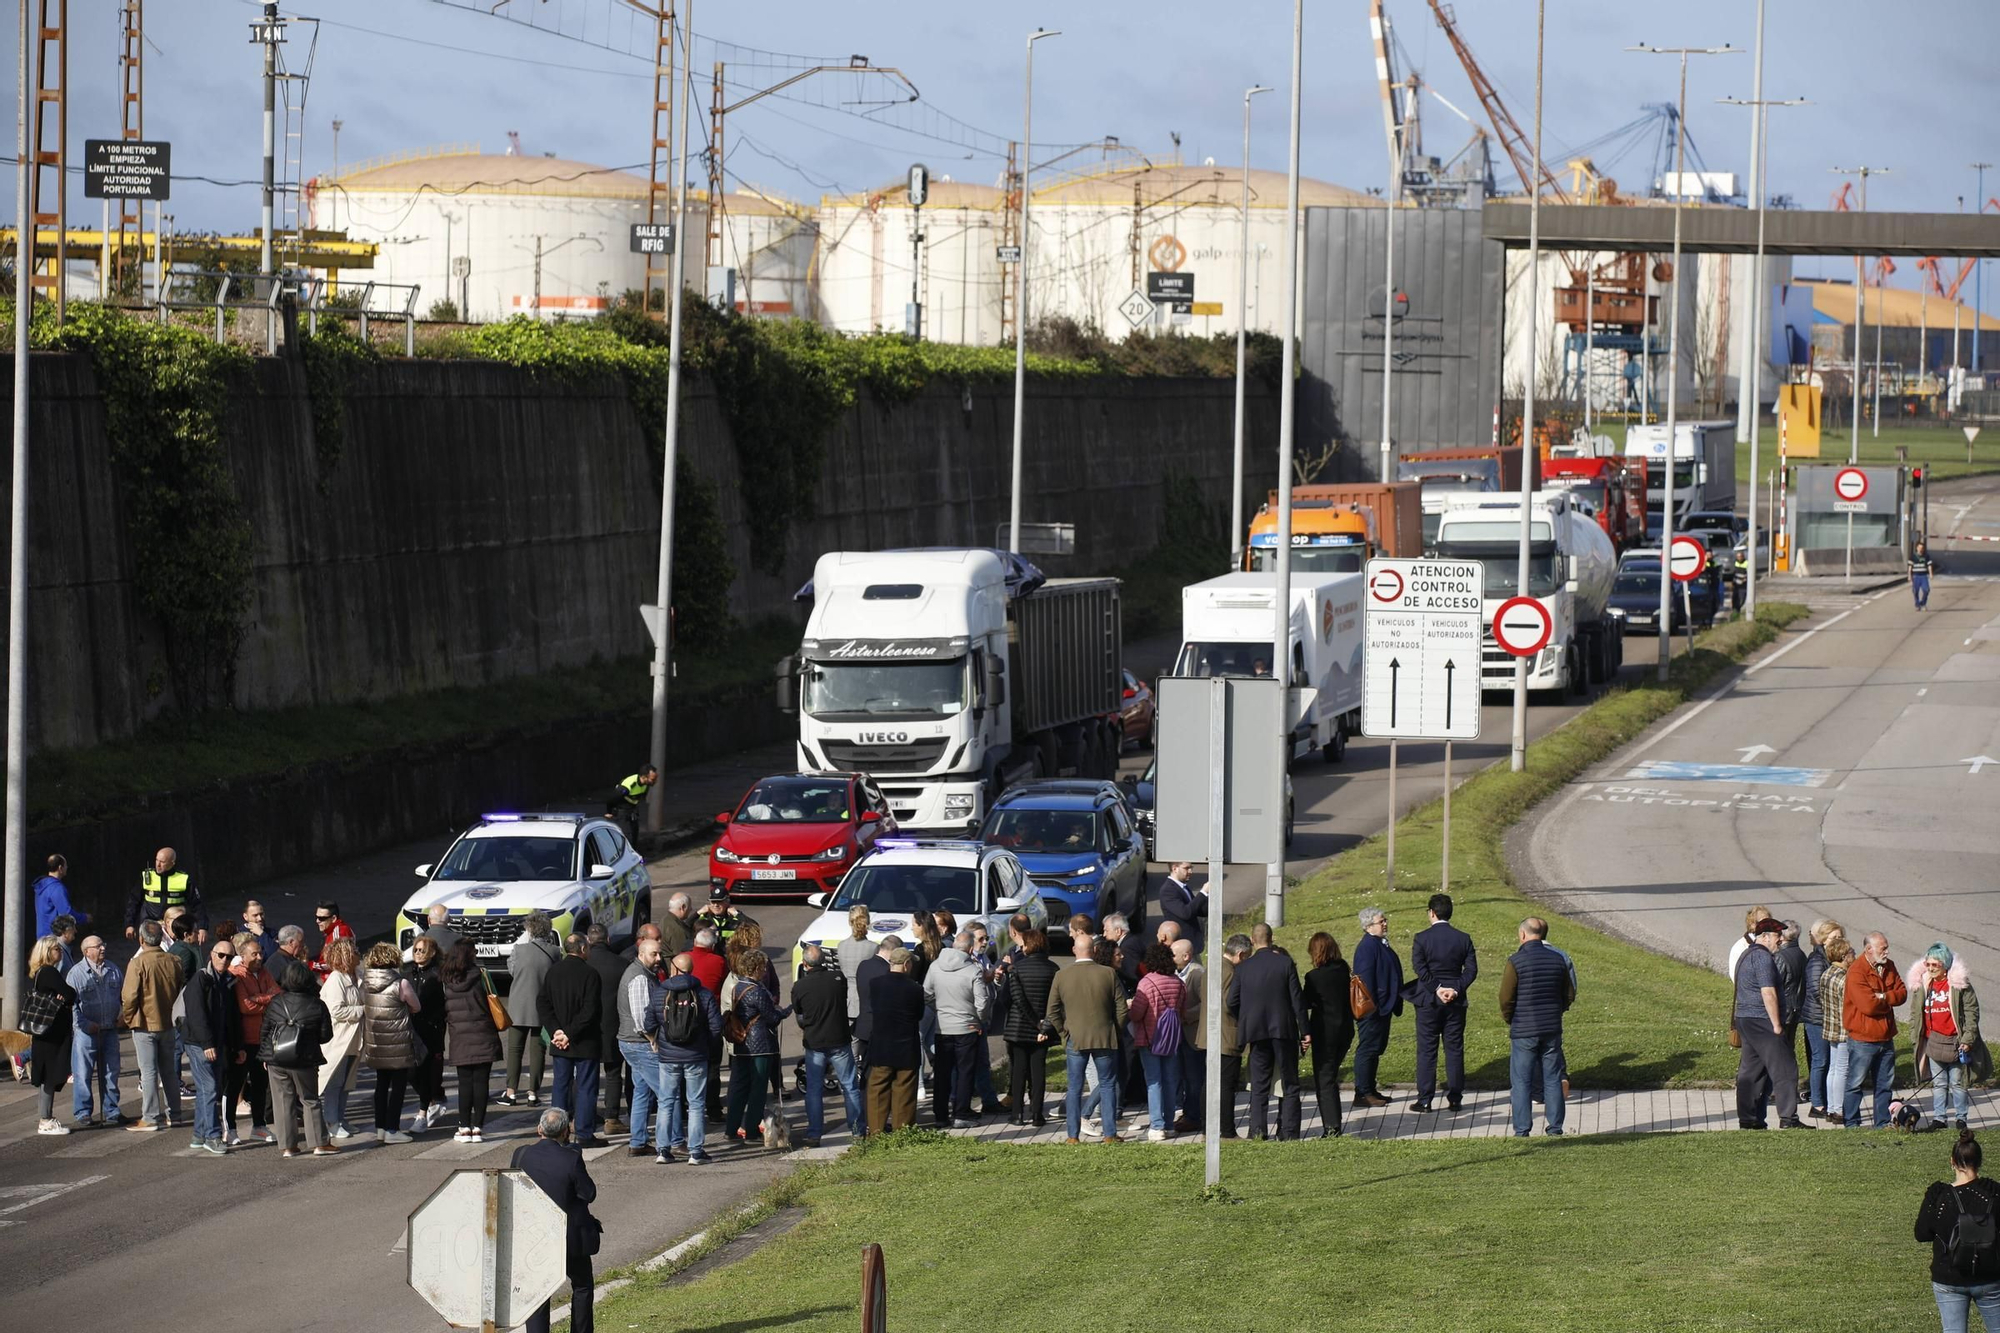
{"x":1092,"y":1130}
{"x":392,"y":1136}
{"x":433,"y":1113}
{"x":52,"y":1127}
{"x":463,"y":1135}
{"x":1157,"y":1136}
{"x":340,"y":1132}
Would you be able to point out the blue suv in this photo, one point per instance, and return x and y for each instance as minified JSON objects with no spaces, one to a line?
{"x":1074,"y":837}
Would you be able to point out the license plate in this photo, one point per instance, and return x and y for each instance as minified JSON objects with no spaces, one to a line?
{"x":774,"y":874}
{"x":490,"y":950}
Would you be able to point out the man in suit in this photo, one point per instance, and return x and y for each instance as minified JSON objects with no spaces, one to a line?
{"x":875,"y":965}
{"x":558,"y":1171}
{"x":1446,"y":966}
{"x":573,"y":1013}
{"x":1381,"y":971}
{"x":1181,"y":902}
{"x":1270,"y":1012}
{"x":893,"y":1006}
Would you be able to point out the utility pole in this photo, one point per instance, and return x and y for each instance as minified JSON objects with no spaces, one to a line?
{"x":1281,"y":663}
{"x":14,"y":909}
{"x":1517,"y":754}
{"x":538,"y":277}
{"x":268,"y":32}
{"x":919,"y":190}
{"x":1673,"y":342}
{"x":1236,"y":533}
{"x":337,"y":124}
{"x":1021,"y":284}
{"x":1854,"y":426}
{"x":1978,"y":265}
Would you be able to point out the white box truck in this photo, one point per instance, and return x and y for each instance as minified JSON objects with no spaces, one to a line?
{"x":1704,"y":464}
{"x":1227,"y":628}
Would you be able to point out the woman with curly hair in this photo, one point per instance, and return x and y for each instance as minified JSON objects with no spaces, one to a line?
{"x":341,"y":993}
{"x":756,"y":1056}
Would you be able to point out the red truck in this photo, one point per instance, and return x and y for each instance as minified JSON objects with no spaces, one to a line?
{"x":1614,"y":490}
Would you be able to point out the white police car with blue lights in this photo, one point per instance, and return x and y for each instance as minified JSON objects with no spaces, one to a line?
{"x":898,"y":877}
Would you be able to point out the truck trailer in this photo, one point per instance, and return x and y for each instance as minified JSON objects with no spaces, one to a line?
{"x":1704,"y":468}
{"x":1444,"y":473}
{"x":1339,"y":528}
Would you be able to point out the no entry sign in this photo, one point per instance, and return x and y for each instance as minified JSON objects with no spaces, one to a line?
{"x":1850,"y":483}
{"x":1687,"y":559}
{"x":1522,"y":626}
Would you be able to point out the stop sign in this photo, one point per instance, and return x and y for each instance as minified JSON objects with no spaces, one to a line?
{"x":487,"y":1248}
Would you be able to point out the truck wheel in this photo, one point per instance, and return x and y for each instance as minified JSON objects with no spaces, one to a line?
{"x":1579,"y":684}
{"x":1045,"y":757}
{"x":1110,"y":743}
{"x":1335,"y":750}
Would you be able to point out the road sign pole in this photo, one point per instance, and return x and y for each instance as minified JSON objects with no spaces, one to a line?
{"x":1849,"y":575}
{"x":1391,"y":869}
{"x":489,"y":1254}
{"x":1218,"y":765}
{"x":1444,"y":866}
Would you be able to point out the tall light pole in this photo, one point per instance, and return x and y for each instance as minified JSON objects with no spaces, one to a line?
{"x":1021,"y":282}
{"x":1517,"y":753}
{"x":656,"y":800}
{"x":1748,"y":377}
{"x":1242,"y":327}
{"x":1389,"y":300}
{"x":1281,"y":663}
{"x":1854,"y":426}
{"x":14,"y":895}
{"x":268,"y":32}
{"x":1674,"y":340}
{"x":1978,"y":266}
{"x":1753,"y":352}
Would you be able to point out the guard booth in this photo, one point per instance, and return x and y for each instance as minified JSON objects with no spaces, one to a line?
{"x":1816,"y":520}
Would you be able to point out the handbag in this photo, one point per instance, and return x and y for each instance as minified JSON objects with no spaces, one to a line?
{"x":494,"y":1009}
{"x":1358,"y":999}
{"x":42,"y":1011}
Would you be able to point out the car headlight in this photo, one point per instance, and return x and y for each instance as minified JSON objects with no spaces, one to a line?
{"x":1617,"y":612}
{"x":837,"y":852}
{"x":958,"y":803}
{"x":724,"y":854}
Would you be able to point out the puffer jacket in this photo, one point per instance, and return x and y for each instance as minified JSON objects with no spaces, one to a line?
{"x":1028,"y":982}
{"x":388,"y":1036}
{"x":469,"y":1035}
{"x":761,"y":1015}
{"x":304,"y":1011}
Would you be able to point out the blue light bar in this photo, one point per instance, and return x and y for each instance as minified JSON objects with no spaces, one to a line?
{"x":500,"y":819}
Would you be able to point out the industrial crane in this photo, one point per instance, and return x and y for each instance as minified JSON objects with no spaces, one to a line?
{"x":1534,"y":175}
{"x":1425,"y":179}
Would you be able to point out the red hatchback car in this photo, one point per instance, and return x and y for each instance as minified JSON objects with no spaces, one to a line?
{"x":797,"y":834}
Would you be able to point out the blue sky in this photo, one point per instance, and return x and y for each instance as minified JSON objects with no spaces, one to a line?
{"x":406,"y":74}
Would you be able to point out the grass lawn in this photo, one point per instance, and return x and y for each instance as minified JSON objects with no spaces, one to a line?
{"x":1640,"y":1020}
{"x":1592,"y":1235}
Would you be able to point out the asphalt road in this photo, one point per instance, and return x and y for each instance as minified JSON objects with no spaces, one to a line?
{"x":111,"y":1213}
{"x":1836,"y":778}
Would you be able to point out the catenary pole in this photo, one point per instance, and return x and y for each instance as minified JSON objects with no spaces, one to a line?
{"x":1021,"y":284}
{"x":14,"y":922}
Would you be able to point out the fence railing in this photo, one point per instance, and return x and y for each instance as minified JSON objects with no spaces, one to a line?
{"x":240,"y":292}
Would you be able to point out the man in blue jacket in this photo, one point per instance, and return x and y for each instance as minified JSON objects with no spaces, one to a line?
{"x":682,"y":1020}
{"x":1536,"y":987}
{"x":52,"y":898}
{"x":558,"y":1171}
{"x":1378,"y":967}
{"x":1446,"y":965}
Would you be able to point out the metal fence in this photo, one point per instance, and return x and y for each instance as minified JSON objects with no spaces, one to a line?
{"x":238,"y":292}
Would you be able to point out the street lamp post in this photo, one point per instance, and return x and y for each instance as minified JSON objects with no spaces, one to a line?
{"x":1021,"y":283}
{"x":14,"y":920}
{"x":1242,"y":328}
{"x":1517,"y":752}
{"x":1281,"y":664}
{"x":1674,"y":340}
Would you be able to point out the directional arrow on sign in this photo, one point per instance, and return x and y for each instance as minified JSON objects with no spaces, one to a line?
{"x":1750,"y":752}
{"x":1978,"y":762}
{"x":1449,"y":668}
{"x":1395,"y":671}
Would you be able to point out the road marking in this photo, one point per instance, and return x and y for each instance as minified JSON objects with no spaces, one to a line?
{"x":1921,"y":693}
{"x":35,"y":1194}
{"x":1978,"y":762}
{"x":1617,"y":794}
{"x":1750,"y":752}
{"x":1670,"y":770}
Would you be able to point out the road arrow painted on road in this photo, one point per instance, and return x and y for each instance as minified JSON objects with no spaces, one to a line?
{"x":1395,"y":670}
{"x":1750,"y":752}
{"x":1978,"y":762}
{"x":1450,"y":667}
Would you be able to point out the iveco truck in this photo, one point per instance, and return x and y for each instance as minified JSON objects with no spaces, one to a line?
{"x":949,"y":674}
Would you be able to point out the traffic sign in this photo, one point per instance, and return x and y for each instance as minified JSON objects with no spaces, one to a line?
{"x":1136,"y":309}
{"x":1177,"y":288}
{"x":127,"y":169}
{"x":1522,"y":626}
{"x":920,"y":184}
{"x":486,"y":1248}
{"x":1009,"y":254}
{"x":1686,"y":559}
{"x":1850,"y":483}
{"x":1420,"y":649}
{"x":652,"y":238}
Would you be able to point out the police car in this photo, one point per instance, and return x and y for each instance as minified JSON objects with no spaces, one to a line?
{"x":578,"y":870}
{"x":899,"y":876}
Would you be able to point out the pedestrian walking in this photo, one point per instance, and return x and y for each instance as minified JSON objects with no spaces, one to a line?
{"x":1381,"y":971}
{"x":1537,"y":987}
{"x":1868,"y":1007}
{"x":1920,"y":577}
{"x":756,"y":1052}
{"x":528,"y":966}
{"x":297,"y":1026}
{"x":1269,"y":1004}
{"x":1944,"y":1016}
{"x":389,"y":1038}
{"x":99,"y":984}
{"x":162,"y":886}
{"x":1028,"y":979}
{"x":249,"y":1081}
{"x":471,"y":1042}
{"x":1446,"y":965}
{"x":1957,"y":1220}
{"x":558,"y":1170}
{"x":614,"y":1079}
{"x":341,"y":992}
{"x":1767,"y":1070}
{"x":1832,"y":995}
{"x":1193,"y":1117}
{"x":146,"y":1007}
{"x":213,"y":1031}
{"x":637,"y":1046}
{"x":573,"y":1012}
{"x":683,"y":1021}
{"x":427,"y":1077}
{"x":52,"y":898}
{"x":957,"y":991}
{"x":1156,"y":1023}
{"x":1328,"y":993}
{"x":622,"y":805}
{"x":819,"y":999}
{"x":1185,"y":905}
{"x":49,"y":1018}
{"x":331,"y":930}
{"x":1087,"y":1011}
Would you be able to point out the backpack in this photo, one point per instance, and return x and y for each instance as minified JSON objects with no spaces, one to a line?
{"x":1166,"y":1031}
{"x":680,"y":1019}
{"x":1973,"y":1235}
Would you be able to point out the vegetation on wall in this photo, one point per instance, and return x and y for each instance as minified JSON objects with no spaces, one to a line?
{"x":331,"y":356}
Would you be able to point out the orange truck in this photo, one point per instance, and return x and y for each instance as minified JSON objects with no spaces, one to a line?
{"x":1611,"y":490}
{"x":1337,"y":528}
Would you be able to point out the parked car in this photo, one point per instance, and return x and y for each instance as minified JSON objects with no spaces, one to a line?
{"x":1074,"y":837}
{"x":797,"y":834}
{"x":900,"y":876}
{"x":1138,"y":712}
{"x":1139,"y":794}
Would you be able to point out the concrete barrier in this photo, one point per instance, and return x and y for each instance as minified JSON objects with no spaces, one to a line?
{"x":1825,"y":561}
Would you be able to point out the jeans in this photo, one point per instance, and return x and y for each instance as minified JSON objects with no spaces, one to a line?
{"x":1920,"y":589}
{"x":575,"y":1091}
{"x":93,"y":1063}
{"x":842,"y":1060}
{"x":1106,"y":1096}
{"x":207,"y":1094}
{"x":684,"y":1101}
{"x":1163,"y":1087}
{"x":646,"y":1106}
{"x":1818,"y":1052}
{"x":159,"y":1090}
{"x":1836,"y":1076}
{"x":952,"y":1075}
{"x":749,"y":1080}
{"x":1955,"y":1303}
{"x":1948,"y":1084}
{"x":333,"y":1095}
{"x":1371,"y":1038}
{"x":1864,"y":1058}
{"x":1534,"y":1061}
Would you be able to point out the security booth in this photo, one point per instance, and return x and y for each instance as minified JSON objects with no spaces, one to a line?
{"x":1821,"y":506}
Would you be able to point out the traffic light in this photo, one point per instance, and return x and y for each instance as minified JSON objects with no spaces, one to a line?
{"x":1916,"y":478}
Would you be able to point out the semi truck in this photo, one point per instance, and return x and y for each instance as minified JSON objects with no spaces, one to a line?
{"x":947,"y":675}
{"x":1612,"y":489}
{"x":1571,"y":568}
{"x":1704,"y":468}
{"x":1339,"y":528}
{"x":1227,"y":628}
{"x":1443,"y":473}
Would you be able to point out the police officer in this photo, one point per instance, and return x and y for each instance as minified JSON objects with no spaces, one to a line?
{"x":627,"y":797}
{"x":720,"y":917}
{"x":161,"y":887}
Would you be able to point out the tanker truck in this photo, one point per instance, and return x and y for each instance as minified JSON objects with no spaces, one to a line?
{"x":1571,"y":567}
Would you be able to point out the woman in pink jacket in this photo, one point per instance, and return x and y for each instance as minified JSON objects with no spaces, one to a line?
{"x":1155,"y":1019}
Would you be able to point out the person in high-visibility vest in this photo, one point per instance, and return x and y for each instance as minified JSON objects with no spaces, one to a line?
{"x":626,"y":798}
{"x":161,"y":887}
